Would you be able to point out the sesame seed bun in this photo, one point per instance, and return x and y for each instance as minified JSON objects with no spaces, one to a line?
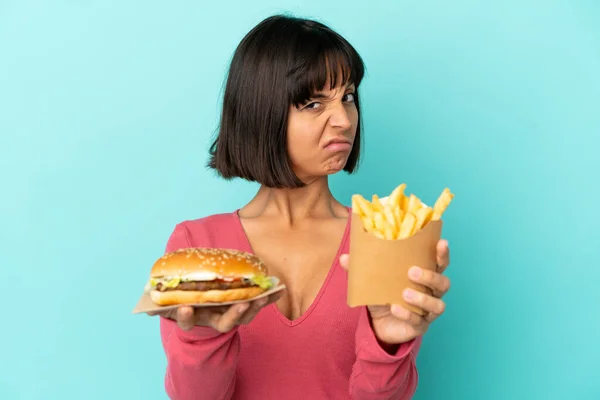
{"x":222,"y":262}
{"x":206,"y":275}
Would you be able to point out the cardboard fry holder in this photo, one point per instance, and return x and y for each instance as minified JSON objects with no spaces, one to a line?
{"x":146,"y":305}
{"x":378,"y":270}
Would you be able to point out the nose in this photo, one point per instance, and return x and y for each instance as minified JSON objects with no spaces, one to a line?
{"x":339,"y":117}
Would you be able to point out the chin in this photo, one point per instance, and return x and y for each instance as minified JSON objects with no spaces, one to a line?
{"x":333,"y":171}
{"x":335,"y":165}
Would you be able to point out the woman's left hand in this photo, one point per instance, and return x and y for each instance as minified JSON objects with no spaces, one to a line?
{"x":395,"y":324}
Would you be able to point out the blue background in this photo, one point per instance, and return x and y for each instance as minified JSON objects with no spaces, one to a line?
{"x":106,"y":112}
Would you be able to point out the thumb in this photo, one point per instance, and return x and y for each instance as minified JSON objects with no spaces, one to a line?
{"x":344,"y":261}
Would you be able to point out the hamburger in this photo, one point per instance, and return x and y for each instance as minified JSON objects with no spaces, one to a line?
{"x":207,"y":275}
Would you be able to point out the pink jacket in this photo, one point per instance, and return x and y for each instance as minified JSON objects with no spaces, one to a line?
{"x":330,"y":352}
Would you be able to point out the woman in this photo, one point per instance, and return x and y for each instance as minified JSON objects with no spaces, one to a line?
{"x":290,"y":119}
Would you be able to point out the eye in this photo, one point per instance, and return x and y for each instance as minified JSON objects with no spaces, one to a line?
{"x":348,"y":98}
{"x":313,"y":106}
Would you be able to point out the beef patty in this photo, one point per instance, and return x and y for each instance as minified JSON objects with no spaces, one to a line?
{"x":208,"y":285}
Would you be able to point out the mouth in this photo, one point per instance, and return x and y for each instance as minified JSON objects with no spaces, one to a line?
{"x":338,"y":144}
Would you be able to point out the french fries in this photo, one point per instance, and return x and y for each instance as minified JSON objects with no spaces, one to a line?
{"x":399,"y":215}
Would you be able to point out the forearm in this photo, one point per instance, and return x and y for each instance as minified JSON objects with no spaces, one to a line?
{"x":201,"y":363}
{"x":382,"y":372}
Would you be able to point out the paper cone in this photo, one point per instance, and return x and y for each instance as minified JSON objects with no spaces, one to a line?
{"x":378,"y":270}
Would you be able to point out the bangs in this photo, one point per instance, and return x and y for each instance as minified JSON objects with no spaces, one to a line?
{"x":320,"y":60}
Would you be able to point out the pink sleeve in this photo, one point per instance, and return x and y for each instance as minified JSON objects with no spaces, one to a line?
{"x":201,"y":362}
{"x":377,"y":375}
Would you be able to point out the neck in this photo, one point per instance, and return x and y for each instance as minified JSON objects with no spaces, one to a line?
{"x":293,"y":206}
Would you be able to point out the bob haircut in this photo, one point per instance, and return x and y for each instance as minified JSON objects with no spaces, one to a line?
{"x":283,"y":61}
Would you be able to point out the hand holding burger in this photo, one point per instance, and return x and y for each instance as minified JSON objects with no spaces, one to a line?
{"x":196,"y":276}
{"x":222,"y":319}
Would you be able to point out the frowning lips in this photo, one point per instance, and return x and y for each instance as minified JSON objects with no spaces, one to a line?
{"x":338,"y":143}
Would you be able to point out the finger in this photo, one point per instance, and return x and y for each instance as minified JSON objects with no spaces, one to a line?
{"x":275,"y":296}
{"x":229,"y":319}
{"x":257,"y":305}
{"x":169,"y":314}
{"x":344,"y":261}
{"x":443,"y":255}
{"x":163,"y":313}
{"x":406,"y":315}
{"x":251,"y":312}
{"x":208,"y":316}
{"x":436,"y":281}
{"x":428,"y":303}
{"x":185,"y":318}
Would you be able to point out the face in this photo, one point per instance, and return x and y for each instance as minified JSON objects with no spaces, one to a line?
{"x":321,"y":133}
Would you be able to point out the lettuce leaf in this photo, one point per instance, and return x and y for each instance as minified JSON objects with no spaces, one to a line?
{"x":263,"y":281}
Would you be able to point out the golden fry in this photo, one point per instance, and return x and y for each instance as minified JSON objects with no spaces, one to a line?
{"x":389,"y":215}
{"x":369,"y":224}
{"x":397,"y":194}
{"x":441,"y":204}
{"x":399,"y":215}
{"x":364,"y":206}
{"x":404,"y":203}
{"x":407,"y":227}
{"x":376,"y":203}
{"x":414,"y":203}
{"x":389,"y":233}
{"x":379,"y":222}
{"x":423,"y":215}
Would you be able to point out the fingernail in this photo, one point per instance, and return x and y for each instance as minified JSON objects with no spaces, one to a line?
{"x":241,"y":308}
{"x":415,"y":272}
{"x":409,"y":294}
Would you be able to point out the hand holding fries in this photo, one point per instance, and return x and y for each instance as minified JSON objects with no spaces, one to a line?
{"x":396,"y":262}
{"x":399,"y":322}
{"x":398,"y":216}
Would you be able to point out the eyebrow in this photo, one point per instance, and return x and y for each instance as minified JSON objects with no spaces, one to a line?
{"x":322,"y":96}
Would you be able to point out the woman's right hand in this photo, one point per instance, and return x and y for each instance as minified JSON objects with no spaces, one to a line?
{"x":223,"y":319}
